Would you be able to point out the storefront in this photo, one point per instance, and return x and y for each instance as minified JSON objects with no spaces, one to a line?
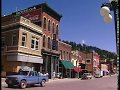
{"x":66,"y":68}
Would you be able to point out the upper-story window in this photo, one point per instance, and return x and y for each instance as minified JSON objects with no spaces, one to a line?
{"x":53,"y":27}
{"x":34,"y":43}
{"x":67,"y":56}
{"x":64,"y":54}
{"x":49,"y":43}
{"x":57,"y":29}
{"x":49,"y":25}
{"x":88,"y":61}
{"x":14,"y":39}
{"x":44,"y":23}
{"x":24,"y":39}
{"x":3,"y":41}
{"x":60,"y":54}
{"x":56,"y":45}
{"x":44,"y":40}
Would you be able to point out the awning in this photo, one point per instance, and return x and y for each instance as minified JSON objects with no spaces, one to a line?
{"x":76,"y":69}
{"x":67,"y":64}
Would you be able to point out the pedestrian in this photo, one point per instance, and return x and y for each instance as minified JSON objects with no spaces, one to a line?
{"x":53,"y":75}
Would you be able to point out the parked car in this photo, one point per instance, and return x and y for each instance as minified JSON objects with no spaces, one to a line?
{"x":25,"y":78}
{"x":98,"y":75}
{"x":87,"y":76}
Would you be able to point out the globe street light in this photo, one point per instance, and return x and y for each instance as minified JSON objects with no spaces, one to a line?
{"x":105,"y":12}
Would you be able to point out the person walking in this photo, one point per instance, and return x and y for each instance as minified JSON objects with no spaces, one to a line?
{"x":53,"y":75}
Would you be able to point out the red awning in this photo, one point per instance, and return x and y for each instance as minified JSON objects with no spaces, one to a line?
{"x":76,"y":69}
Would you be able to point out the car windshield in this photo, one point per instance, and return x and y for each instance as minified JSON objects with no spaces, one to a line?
{"x":23,"y":73}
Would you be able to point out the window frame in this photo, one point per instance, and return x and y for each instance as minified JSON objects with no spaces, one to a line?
{"x":25,"y":41}
{"x":49,"y":25}
{"x":44,"y":40}
{"x":44,"y":23}
{"x":57,"y":29}
{"x":49,"y":43}
{"x":88,"y":62}
{"x":14,"y":39}
{"x":33,"y":45}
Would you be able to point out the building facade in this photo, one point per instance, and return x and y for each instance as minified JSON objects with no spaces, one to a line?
{"x":65,"y":65}
{"x":21,"y":44}
{"x":49,"y":20}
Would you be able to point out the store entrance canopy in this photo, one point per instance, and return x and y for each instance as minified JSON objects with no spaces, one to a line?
{"x":76,"y":69}
{"x":67,"y":64}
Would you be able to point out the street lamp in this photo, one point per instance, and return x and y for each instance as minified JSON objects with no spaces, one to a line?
{"x":105,"y":12}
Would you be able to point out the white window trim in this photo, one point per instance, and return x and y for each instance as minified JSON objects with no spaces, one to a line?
{"x":35,"y":39}
{"x":25,"y":39}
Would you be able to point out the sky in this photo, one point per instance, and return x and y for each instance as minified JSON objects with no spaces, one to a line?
{"x":81,"y":21}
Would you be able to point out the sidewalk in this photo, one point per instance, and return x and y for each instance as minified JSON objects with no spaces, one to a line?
{"x":63,"y":80}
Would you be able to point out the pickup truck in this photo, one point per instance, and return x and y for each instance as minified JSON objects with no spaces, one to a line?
{"x":25,"y":78}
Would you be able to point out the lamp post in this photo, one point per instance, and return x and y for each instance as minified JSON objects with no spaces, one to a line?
{"x":105,"y":12}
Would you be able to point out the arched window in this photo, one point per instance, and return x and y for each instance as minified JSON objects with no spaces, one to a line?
{"x":44,"y":39}
{"x":49,"y":44}
{"x":49,"y":25}
{"x":44,"y":23}
{"x":57,"y":29}
{"x":53,"y":27}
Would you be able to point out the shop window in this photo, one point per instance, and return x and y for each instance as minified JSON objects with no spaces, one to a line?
{"x":3,"y":41}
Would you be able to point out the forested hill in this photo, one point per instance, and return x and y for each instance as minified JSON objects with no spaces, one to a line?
{"x":103,"y":53}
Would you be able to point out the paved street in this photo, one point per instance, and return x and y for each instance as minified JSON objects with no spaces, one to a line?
{"x":105,"y":83}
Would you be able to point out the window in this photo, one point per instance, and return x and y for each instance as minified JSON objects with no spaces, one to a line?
{"x":57,"y":29}
{"x":53,"y":27}
{"x":44,"y":23}
{"x":3,"y":41}
{"x":44,"y":39}
{"x":64,"y":54}
{"x":34,"y":43}
{"x":54,"y":44}
{"x":67,"y":56}
{"x":49,"y":44}
{"x":14,"y":39}
{"x":24,"y":37}
{"x":61,"y":54}
{"x":88,"y":61}
{"x":49,"y":25}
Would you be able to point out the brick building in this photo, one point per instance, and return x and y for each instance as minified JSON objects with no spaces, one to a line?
{"x":92,"y":62}
{"x":49,"y":21}
{"x":65,"y":65}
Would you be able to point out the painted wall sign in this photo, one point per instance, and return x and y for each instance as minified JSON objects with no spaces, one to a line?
{"x":34,"y":15}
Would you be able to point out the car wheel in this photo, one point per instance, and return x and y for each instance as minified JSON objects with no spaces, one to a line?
{"x":23,"y":84}
{"x":10,"y":86}
{"x":43,"y":83}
